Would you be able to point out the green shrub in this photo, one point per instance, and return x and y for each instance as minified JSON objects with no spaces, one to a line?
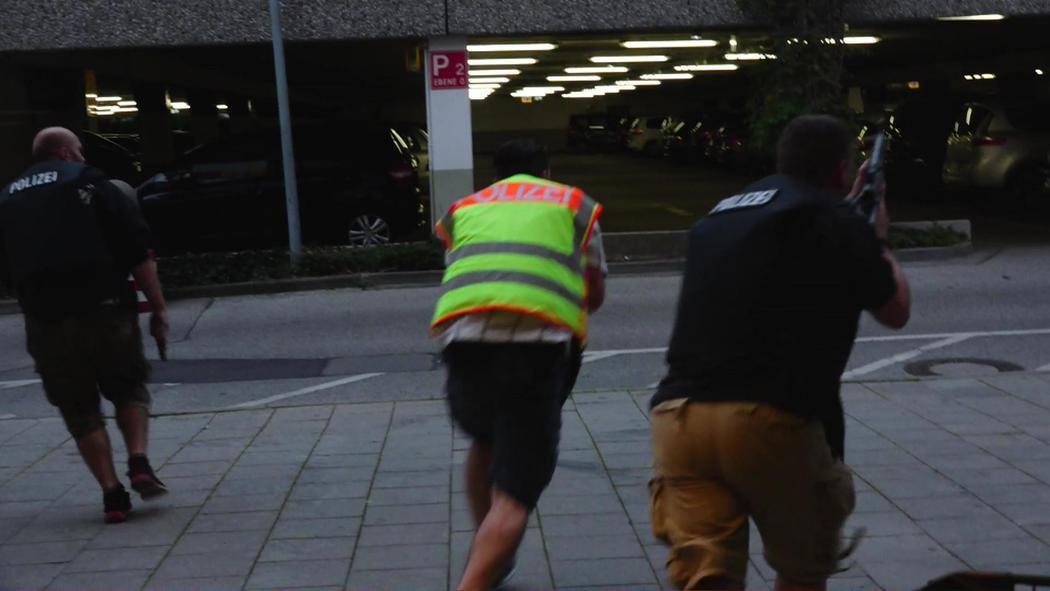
{"x":935,"y":235}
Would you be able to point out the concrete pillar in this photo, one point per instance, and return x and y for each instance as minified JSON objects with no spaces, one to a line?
{"x":449,"y":123}
{"x":204,"y":118}
{"x":154,"y":124}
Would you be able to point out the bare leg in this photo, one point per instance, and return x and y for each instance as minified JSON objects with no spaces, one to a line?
{"x":134,"y":426}
{"x":495,"y":543}
{"x":783,"y":585}
{"x":479,"y":485}
{"x":98,"y":455}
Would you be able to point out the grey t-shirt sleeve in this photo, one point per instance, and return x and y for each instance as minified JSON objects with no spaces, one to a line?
{"x":596,"y":251}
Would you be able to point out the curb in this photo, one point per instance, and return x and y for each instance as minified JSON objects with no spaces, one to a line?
{"x":651,"y":249}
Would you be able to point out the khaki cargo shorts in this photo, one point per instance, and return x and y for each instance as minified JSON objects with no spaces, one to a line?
{"x":80,"y":356}
{"x":717,"y":464}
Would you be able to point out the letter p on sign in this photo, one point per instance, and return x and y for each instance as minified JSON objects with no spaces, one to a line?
{"x":448,"y":70}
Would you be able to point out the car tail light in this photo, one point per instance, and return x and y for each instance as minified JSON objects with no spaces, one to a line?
{"x":402,"y":174}
{"x":990,"y":141}
{"x":637,"y":132}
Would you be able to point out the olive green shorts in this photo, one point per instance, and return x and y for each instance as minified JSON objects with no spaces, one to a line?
{"x":718,"y":464}
{"x":83,"y":356}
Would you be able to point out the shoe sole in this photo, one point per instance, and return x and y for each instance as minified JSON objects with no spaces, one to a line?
{"x":148,"y":489}
{"x":115,"y":516}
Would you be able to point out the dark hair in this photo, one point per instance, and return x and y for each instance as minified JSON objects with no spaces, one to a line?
{"x":812,"y":146}
{"x":521,"y":157}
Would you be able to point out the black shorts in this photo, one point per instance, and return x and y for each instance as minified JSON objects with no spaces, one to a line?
{"x":509,"y":396}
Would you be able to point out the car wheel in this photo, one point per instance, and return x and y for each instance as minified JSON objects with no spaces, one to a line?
{"x":368,"y":229}
{"x":1026,"y":186}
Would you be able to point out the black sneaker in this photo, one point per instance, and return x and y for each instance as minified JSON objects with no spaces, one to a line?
{"x":143,"y":480}
{"x":508,"y":573}
{"x":116,"y":505}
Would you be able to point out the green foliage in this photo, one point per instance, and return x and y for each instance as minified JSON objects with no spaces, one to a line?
{"x":261,"y":265}
{"x":935,"y":235}
{"x":807,"y":75}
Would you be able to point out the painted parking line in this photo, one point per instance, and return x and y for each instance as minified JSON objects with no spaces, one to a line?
{"x":1044,"y":368}
{"x":17,"y":384}
{"x":7,"y":417}
{"x":305,"y":391}
{"x":905,"y":356}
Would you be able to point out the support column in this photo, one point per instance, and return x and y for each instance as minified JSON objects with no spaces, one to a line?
{"x":449,"y":124}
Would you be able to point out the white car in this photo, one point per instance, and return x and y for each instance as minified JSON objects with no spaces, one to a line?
{"x":646,"y":135}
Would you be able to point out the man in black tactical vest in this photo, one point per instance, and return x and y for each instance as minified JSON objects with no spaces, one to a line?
{"x":748,"y":422}
{"x":68,"y":240}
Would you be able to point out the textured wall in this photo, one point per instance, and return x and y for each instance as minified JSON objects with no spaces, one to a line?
{"x":54,"y":24}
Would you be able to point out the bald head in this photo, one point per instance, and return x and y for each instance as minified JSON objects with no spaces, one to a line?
{"x":57,"y":143}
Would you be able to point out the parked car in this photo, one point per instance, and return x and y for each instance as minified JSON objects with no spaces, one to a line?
{"x":908,"y":169}
{"x":599,"y":132}
{"x":111,"y":158}
{"x":229,"y":194}
{"x":999,"y":148}
{"x":727,"y":146}
{"x":646,"y":135}
{"x":417,"y":139}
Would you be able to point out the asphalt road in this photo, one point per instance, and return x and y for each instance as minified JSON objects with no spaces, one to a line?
{"x":982,"y":314}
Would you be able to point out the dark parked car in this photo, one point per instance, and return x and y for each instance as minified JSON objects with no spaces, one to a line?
{"x":357,"y":185}
{"x":111,"y":158}
{"x":910,"y":171}
{"x":417,"y":139}
{"x":598,"y":132}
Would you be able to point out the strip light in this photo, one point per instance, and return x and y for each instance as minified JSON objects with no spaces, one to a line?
{"x":1038,"y":72}
{"x":180,"y":105}
{"x":108,"y":99}
{"x":493,"y":80}
{"x":503,"y":72}
{"x":598,"y":70}
{"x":504,"y":61}
{"x":500,"y":47}
{"x":667,"y":77}
{"x":628,"y":59}
{"x":574,"y":78}
{"x":479,"y":94}
{"x":638,"y":82}
{"x":973,"y":17}
{"x":705,"y":68}
{"x":127,"y":104}
{"x":222,"y":107}
{"x":669,"y":44}
{"x":484,"y":86}
{"x":749,"y":57}
{"x":861,"y":40}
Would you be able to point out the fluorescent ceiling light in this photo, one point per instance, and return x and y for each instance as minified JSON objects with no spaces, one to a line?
{"x":91,"y":95}
{"x":861,"y":40}
{"x":504,"y":72}
{"x":1038,"y":72}
{"x":181,"y":105}
{"x":973,"y":17}
{"x":222,"y":107}
{"x":628,"y":59}
{"x":127,"y":103}
{"x":611,"y":88}
{"x":503,"y":61}
{"x":484,"y":86}
{"x":669,"y":44}
{"x":638,"y":82}
{"x":749,"y":57}
{"x":108,"y":99}
{"x":529,"y":94}
{"x":494,"y":47}
{"x":704,"y":68}
{"x":574,"y":78}
{"x":597,"y":70}
{"x":126,"y":110}
{"x":547,"y":89}
{"x":988,"y":76}
{"x":479,"y":95}
{"x":494,"y":80}
{"x":578,"y":95}
{"x":667,"y":76}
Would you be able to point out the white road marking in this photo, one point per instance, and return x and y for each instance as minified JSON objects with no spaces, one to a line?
{"x":1044,"y":368}
{"x":905,"y":356}
{"x":17,"y":384}
{"x":305,"y":391}
{"x":6,"y":417}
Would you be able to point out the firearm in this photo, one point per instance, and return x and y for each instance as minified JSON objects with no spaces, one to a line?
{"x":868,"y":201}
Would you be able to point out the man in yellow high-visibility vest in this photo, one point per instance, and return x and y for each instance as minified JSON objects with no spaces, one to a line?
{"x":525,"y":267}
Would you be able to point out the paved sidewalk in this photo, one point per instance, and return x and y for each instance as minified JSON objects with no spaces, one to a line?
{"x":951,"y":474}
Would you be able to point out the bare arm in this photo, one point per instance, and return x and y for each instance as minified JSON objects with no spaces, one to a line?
{"x":595,"y":289}
{"x":149,"y":282}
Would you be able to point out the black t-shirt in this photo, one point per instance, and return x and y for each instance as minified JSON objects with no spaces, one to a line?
{"x":775,"y":282}
{"x":68,"y":239}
